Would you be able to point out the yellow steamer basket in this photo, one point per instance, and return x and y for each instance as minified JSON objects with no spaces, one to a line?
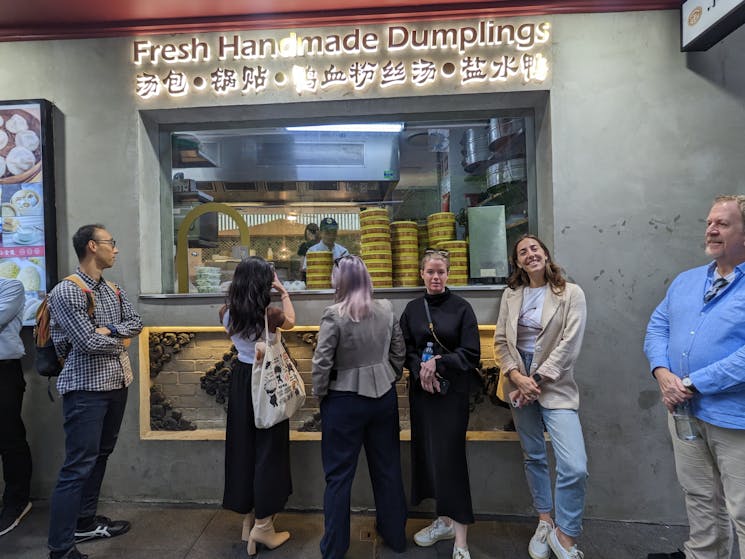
{"x":321,"y":257}
{"x":377,"y":261}
{"x":441,"y":218}
{"x":381,"y":278}
{"x":373,"y":213}
{"x":375,"y":238}
{"x":404,"y":226}
{"x":375,"y":228}
{"x":382,"y":246}
{"x":375,"y":222}
{"x":453,"y":245}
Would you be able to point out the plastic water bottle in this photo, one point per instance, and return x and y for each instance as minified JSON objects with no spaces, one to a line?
{"x":685,"y":424}
{"x":429,"y":352}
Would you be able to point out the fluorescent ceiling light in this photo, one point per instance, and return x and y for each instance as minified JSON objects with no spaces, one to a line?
{"x":370,"y":127}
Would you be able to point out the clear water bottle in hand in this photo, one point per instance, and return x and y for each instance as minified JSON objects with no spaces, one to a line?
{"x":429,"y":352}
{"x":685,"y":424}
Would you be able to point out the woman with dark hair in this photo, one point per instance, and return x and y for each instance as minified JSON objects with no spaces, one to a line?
{"x":356,"y":364}
{"x":312,"y":235}
{"x":538,"y":337}
{"x":439,"y":398}
{"x":257,"y":461}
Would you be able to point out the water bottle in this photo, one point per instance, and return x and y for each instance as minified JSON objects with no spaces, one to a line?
{"x":429,"y":352}
{"x":685,"y":424}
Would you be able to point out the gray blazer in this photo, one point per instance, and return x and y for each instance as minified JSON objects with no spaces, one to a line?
{"x":366,"y":357}
{"x":556,"y":349}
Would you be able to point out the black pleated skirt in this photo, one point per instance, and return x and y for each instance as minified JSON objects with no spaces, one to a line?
{"x":439,"y":468}
{"x":257,"y":461}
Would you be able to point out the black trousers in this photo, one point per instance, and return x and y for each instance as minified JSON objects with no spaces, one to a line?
{"x":13,"y":446}
{"x":348,"y":422}
{"x":257,"y":461}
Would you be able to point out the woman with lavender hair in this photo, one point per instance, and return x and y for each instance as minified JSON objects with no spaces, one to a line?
{"x":357,"y":361}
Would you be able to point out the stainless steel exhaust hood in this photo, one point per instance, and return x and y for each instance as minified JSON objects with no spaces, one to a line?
{"x":292,"y":157}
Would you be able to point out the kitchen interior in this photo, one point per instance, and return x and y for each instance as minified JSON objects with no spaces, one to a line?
{"x":282,"y":179}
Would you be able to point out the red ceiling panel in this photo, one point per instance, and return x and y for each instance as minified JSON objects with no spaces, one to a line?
{"x":47,"y":19}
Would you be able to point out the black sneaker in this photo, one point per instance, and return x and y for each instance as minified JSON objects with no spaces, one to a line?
{"x":674,"y":555}
{"x":101,"y":527}
{"x":11,"y":516}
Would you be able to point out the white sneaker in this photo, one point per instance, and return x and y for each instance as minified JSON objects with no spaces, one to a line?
{"x":538,"y":546}
{"x":438,"y":530}
{"x":558,"y":549}
{"x":461,"y":553}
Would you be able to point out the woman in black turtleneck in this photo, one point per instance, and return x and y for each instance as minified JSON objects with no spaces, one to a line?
{"x":438,"y":396}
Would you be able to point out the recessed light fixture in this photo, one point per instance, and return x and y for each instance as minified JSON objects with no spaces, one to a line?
{"x":369,"y":127}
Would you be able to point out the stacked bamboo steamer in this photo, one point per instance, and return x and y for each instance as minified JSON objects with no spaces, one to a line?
{"x":458,"y":256}
{"x":318,"y":269}
{"x":440,"y":227}
{"x":423,"y":237}
{"x":405,"y":242}
{"x":375,"y":246}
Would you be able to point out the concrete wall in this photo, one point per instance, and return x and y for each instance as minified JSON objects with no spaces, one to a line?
{"x":633,"y":142}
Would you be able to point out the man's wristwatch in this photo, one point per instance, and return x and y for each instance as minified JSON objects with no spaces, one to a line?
{"x":689,"y":385}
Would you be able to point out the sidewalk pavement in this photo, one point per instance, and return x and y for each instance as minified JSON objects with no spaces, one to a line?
{"x":208,"y":532}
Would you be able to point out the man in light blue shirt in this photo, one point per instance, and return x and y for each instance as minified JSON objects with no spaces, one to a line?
{"x":13,"y":446}
{"x":329,"y":231}
{"x":695,"y":344}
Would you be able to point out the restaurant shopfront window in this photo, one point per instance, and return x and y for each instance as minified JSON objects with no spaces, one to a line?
{"x":300,"y":193}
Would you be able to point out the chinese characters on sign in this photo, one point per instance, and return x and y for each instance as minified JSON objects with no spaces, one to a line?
{"x":501,"y":53}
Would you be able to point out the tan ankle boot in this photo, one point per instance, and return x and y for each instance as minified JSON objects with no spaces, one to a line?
{"x":248,"y":523}
{"x":263,"y":532}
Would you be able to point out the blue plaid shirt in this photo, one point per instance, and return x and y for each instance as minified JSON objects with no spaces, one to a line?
{"x":93,"y":362}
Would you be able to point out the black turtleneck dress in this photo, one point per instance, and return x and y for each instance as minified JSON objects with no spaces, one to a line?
{"x":439,"y":422}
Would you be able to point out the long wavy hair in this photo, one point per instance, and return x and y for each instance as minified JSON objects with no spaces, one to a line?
{"x":553,"y":273}
{"x":249,"y":296}
{"x":353,"y":286}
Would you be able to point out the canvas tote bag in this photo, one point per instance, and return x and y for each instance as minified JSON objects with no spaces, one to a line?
{"x":277,"y":389}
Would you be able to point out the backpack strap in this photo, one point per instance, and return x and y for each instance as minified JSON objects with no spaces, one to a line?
{"x":77,"y":280}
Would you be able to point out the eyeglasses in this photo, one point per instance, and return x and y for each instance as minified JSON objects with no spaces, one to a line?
{"x":443,"y":253}
{"x":337,"y":260}
{"x":111,"y":242}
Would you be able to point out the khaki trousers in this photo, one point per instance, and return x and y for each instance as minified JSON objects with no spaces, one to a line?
{"x":711,"y":471}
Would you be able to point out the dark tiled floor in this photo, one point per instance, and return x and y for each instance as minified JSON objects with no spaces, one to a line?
{"x":191,"y":532}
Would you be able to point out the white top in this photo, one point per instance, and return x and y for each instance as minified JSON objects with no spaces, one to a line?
{"x":529,"y":321}
{"x":246,"y":348}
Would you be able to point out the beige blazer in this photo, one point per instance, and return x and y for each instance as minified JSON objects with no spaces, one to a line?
{"x":556,"y":349}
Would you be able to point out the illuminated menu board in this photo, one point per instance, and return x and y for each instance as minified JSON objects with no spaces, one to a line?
{"x":27,"y":227}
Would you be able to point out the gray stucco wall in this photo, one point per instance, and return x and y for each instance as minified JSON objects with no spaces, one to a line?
{"x":634,"y":141}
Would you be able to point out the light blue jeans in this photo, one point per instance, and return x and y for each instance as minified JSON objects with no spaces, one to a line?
{"x":571,"y":460}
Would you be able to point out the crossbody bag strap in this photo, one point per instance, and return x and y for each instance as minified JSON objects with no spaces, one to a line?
{"x":431,"y":327}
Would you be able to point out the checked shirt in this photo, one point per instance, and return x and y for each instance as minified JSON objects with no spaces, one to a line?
{"x":93,"y":362}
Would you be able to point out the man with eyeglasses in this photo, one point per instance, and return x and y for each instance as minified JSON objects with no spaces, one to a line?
{"x":91,"y":329}
{"x":696,"y":348}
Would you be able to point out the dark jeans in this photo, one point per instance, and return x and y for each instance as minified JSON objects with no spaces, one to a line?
{"x":92,"y":421}
{"x":348,"y":421}
{"x":13,"y":446}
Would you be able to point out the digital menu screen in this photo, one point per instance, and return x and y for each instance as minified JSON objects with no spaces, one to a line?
{"x":27,"y":200}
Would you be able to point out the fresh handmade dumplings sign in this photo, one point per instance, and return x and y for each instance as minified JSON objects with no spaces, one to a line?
{"x":479,"y":55}
{"x":22,"y":239}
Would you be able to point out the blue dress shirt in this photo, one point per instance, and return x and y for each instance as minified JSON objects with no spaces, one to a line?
{"x":705,"y":341}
